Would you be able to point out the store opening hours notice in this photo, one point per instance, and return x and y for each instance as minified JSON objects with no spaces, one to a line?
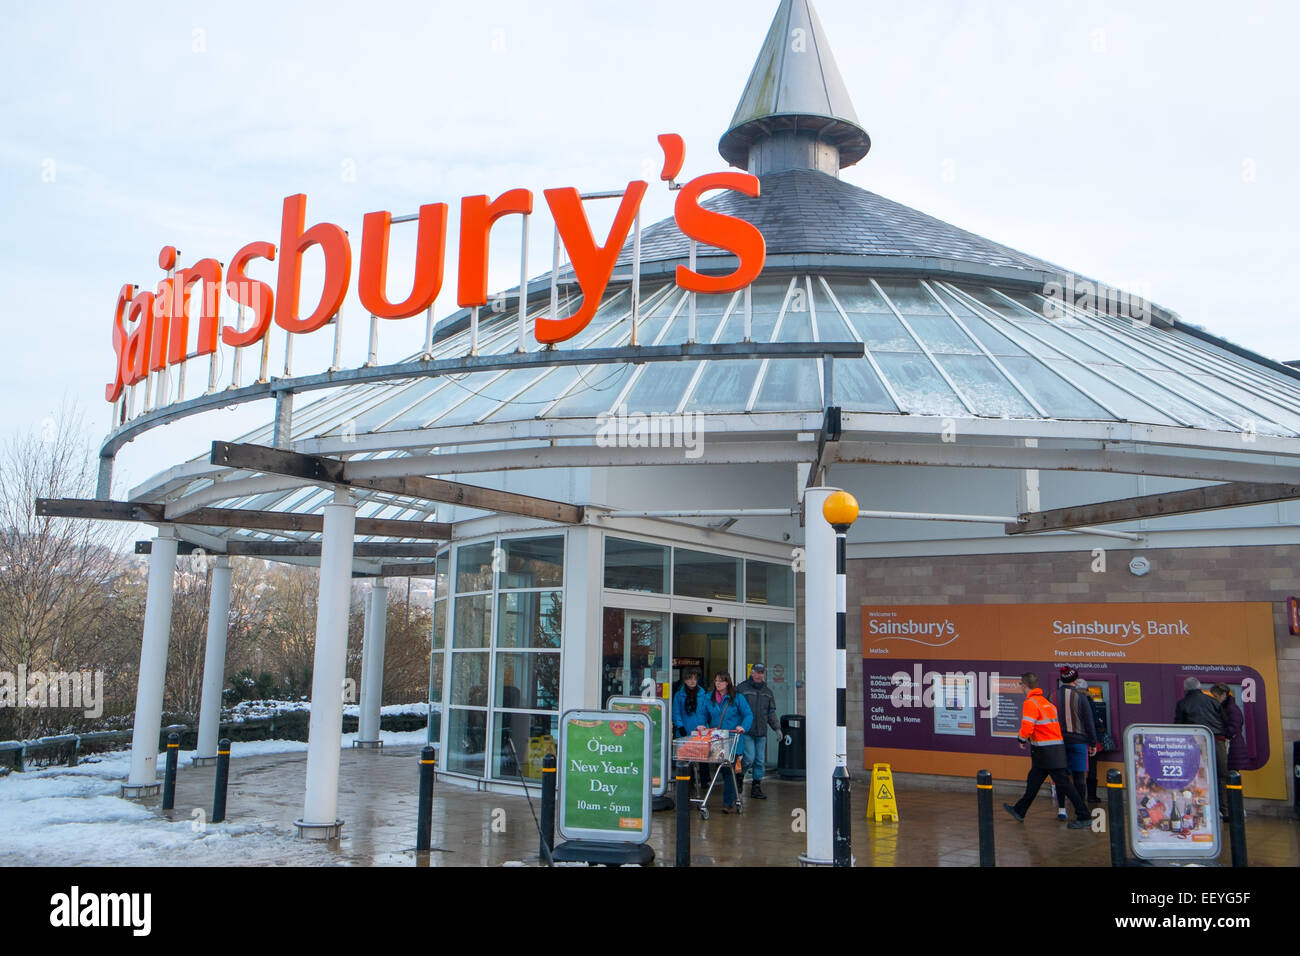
{"x":605,"y":776}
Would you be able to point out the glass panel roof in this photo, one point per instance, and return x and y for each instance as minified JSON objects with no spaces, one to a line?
{"x":594,"y":392}
{"x":987,"y":389}
{"x":724,"y":387}
{"x":660,"y":387}
{"x":943,"y":348}
{"x":918,"y":384}
{"x":790,"y":385}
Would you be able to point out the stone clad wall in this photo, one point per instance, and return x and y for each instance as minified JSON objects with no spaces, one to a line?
{"x":1264,"y":573}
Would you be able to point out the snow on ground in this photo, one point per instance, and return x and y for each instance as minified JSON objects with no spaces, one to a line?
{"x":73,"y":816}
{"x":253,"y":709}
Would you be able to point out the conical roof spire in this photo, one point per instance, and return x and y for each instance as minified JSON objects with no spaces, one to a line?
{"x":795,"y":111}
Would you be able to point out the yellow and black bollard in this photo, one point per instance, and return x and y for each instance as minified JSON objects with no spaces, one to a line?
{"x":548,"y":807}
{"x":424,"y":811}
{"x":684,"y":817}
{"x":1237,"y":818}
{"x":223,"y":780}
{"x":169,"y":773}
{"x":984,"y":803}
{"x":1115,"y":817}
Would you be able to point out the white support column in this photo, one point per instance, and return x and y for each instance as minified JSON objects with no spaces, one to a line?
{"x":214,"y":662}
{"x":153,"y":669}
{"x":374,"y":635}
{"x":819,"y":675}
{"x":580,"y":681}
{"x":325,"y":730}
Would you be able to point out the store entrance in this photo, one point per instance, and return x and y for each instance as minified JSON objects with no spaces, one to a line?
{"x":707,"y":643}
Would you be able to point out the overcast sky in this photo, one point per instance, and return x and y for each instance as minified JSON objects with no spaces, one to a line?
{"x":1152,"y":145}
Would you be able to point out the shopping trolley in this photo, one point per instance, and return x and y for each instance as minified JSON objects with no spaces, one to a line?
{"x":708,"y":746}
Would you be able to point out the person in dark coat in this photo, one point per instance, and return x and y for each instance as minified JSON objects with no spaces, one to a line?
{"x":1233,"y":723}
{"x":1200,"y":706}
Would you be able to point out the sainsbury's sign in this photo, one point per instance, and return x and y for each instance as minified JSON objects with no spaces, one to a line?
{"x":151,"y":330}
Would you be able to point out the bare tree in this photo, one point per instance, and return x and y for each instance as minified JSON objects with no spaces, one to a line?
{"x":187,"y":650}
{"x":55,"y":573}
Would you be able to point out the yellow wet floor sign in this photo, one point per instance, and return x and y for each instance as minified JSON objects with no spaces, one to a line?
{"x":883,"y":801}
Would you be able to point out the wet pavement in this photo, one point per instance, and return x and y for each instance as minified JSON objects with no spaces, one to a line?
{"x":378,"y":797}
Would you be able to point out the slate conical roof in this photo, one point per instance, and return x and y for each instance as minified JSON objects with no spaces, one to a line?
{"x":805,"y":212}
{"x":795,"y":85}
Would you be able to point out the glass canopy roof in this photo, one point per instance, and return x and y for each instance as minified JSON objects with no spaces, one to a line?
{"x":933,"y":348}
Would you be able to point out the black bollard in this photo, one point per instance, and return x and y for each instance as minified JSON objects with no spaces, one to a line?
{"x":1236,"y":818}
{"x":548,"y":807}
{"x":223,"y":778}
{"x":424,"y":814}
{"x":1115,"y":817}
{"x":683,"y":819}
{"x":984,"y":802}
{"x":841,"y":820}
{"x":1295,"y":772}
{"x":169,"y":774}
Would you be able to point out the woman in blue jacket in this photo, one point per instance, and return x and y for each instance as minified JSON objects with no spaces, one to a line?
{"x":691,"y":710}
{"x":728,"y":711}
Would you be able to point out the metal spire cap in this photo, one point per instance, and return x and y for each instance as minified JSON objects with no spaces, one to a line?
{"x":795,"y":112}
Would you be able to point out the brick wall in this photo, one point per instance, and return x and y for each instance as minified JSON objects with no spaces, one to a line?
{"x":1266,"y":573}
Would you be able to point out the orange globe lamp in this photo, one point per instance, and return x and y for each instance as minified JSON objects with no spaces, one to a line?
{"x":840,"y":509}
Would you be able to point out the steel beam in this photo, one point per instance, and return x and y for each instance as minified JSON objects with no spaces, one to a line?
{"x":421,"y":569}
{"x":320,"y":468}
{"x":307,"y":549}
{"x":235,"y":518}
{"x":277,"y":461}
{"x":1102,"y":460}
{"x":432,"y":368}
{"x":1239,"y":494}
{"x":472,"y":496}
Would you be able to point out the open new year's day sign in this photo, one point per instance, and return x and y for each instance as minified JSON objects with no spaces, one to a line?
{"x":1172,"y":797}
{"x":654,"y":708}
{"x":605,"y":761}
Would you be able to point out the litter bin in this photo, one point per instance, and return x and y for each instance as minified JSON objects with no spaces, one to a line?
{"x":792,"y":755}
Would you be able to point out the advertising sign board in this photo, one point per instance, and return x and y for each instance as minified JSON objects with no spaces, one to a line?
{"x":656,"y":708}
{"x":1172,"y":794}
{"x":605,"y":764}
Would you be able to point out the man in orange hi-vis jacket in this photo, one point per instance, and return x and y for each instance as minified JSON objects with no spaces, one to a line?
{"x":1040,"y":729}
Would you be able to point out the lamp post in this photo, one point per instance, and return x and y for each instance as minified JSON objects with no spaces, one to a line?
{"x":840,"y":510}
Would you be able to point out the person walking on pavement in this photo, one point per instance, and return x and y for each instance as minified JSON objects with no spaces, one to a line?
{"x":728,"y":711}
{"x":1078,"y":730}
{"x":1200,"y":706}
{"x":690,"y":710}
{"x":1040,"y":729}
{"x":762,"y":702}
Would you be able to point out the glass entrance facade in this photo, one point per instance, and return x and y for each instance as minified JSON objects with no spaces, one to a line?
{"x":668,"y":608}
{"x":499,"y":680}
{"x":499,"y":638}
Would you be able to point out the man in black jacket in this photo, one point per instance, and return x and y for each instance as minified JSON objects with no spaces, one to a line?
{"x":1199,"y":706}
{"x":753,"y":744}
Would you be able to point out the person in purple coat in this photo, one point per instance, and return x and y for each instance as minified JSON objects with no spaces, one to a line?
{"x":1233,"y":722}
